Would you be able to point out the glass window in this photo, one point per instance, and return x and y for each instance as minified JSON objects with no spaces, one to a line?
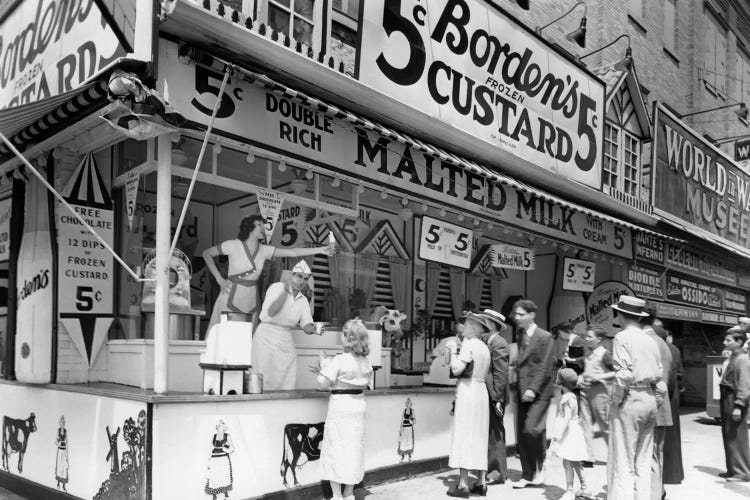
{"x":349,"y":8}
{"x":631,"y":163}
{"x":715,"y":54}
{"x":293,"y":18}
{"x":611,"y":153}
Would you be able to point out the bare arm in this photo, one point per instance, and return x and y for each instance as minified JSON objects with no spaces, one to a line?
{"x":300,"y":252}
{"x":208,"y":255}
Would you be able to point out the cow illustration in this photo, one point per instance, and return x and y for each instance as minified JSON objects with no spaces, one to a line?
{"x":300,"y":439}
{"x":15,"y":438}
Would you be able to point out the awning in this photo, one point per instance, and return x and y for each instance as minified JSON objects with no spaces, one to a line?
{"x":338,"y":113}
{"x":27,"y":123}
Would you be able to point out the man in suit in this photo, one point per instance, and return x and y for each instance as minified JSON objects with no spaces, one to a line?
{"x":735,"y":398}
{"x":497,"y":387}
{"x":536,"y":362}
{"x":673,"y":471}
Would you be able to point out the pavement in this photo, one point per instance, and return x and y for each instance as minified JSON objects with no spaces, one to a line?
{"x":702,"y":457}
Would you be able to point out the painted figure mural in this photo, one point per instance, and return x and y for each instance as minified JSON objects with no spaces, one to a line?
{"x":300,"y":439}
{"x":61,"y":460}
{"x":406,"y":433}
{"x":16,"y":433}
{"x":127,"y":477}
{"x":220,"y":477}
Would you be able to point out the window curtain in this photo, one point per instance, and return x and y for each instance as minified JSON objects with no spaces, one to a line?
{"x":366,"y":275}
{"x":340,"y":268}
{"x":496,"y":285}
{"x":474,"y":284}
{"x":458,"y":292}
{"x":399,"y":282}
{"x":433,"y":285}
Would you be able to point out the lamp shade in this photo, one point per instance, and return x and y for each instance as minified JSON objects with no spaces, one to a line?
{"x":578,"y":36}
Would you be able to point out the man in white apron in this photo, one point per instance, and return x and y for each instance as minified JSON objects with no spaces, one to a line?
{"x":285,"y":307}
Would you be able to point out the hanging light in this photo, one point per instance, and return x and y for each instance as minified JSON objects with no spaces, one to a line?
{"x":490,"y":225}
{"x":336,"y":182}
{"x":424,"y":207}
{"x":443,"y":212}
{"x":622,"y":65}
{"x":217,"y":148}
{"x":461,"y":217}
{"x":405,"y":214}
{"x":282,"y":166}
{"x":309,"y":175}
{"x":579,"y":35}
{"x":476,"y":222}
{"x":404,"y":202}
{"x":360,"y":189}
{"x":383,"y":195}
{"x":250,"y":158}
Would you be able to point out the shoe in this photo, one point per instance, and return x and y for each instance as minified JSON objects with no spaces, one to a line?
{"x":568,"y":495}
{"x":492,"y":482}
{"x":739,"y":479}
{"x":726,"y":474}
{"x":479,"y":489}
{"x":521,"y":483}
{"x":585,"y":493}
{"x":538,"y":480}
{"x":459,"y":492}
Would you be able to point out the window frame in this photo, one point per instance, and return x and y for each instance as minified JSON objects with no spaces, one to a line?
{"x":621,"y":166}
{"x":319,"y":30}
{"x":711,"y":62}
{"x":670,"y":42}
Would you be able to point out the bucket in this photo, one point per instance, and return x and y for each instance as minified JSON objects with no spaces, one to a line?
{"x":252,"y":383}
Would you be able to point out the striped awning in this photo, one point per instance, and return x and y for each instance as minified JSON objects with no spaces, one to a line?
{"x":28,"y":123}
{"x":338,"y":113}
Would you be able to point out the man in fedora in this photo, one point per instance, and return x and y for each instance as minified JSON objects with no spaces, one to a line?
{"x":637,"y":393}
{"x":536,"y":362}
{"x":497,"y":387}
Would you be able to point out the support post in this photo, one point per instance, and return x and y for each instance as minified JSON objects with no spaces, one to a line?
{"x":161,"y":295}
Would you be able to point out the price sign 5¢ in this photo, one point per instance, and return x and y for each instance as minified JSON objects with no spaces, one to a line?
{"x":578,"y":275}
{"x":446,"y":243}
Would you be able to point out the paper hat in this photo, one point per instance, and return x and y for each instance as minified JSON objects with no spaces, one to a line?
{"x":631,"y":305}
{"x":495,"y":317}
{"x":567,"y":377}
{"x":744,"y":320}
{"x":301,"y":267}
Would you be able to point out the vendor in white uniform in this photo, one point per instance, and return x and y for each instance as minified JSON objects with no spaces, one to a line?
{"x":284,"y":307}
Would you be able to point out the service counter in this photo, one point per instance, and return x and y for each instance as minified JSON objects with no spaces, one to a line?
{"x":118,"y":436}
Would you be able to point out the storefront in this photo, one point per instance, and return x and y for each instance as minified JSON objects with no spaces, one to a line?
{"x":113,"y":366}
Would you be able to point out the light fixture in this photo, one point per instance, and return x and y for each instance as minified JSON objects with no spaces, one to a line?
{"x":443,"y":212}
{"x":524,"y":4}
{"x":461,"y":217}
{"x":405,"y":214}
{"x":336,"y":182}
{"x":476,"y":222}
{"x":742,"y":112}
{"x":579,"y":35}
{"x":490,"y":225}
{"x":282,"y":166}
{"x":360,"y":189}
{"x":623,"y":64}
{"x":217,"y":148}
{"x":383,"y":195}
{"x":250,"y":157}
{"x":298,"y":186}
{"x":181,"y":186}
{"x":425,"y":207}
{"x":175,"y":137}
{"x":309,"y":175}
{"x":404,"y":202}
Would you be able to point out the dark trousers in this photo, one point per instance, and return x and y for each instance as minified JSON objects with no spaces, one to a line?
{"x":734,"y":434}
{"x":532,"y":441}
{"x":497,"y":465}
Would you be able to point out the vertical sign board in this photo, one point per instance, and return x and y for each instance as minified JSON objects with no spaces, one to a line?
{"x":696,"y":183}
{"x":86,"y":268}
{"x":470,"y":66}
{"x":34,"y":286}
{"x":5,"y":212}
{"x":742,"y":152}
{"x":50,"y":47}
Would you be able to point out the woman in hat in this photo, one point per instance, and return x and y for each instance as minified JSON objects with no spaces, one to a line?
{"x":247,"y":254}
{"x":471,"y":420}
{"x":284,"y":307}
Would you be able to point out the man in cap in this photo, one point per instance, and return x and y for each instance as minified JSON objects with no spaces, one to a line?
{"x":536,"y":361}
{"x":284,"y":307}
{"x":735,"y":399}
{"x":638,"y":391}
{"x":497,"y":387}
{"x":664,"y":412}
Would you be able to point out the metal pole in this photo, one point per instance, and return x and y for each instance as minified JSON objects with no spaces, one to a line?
{"x":161,"y":296}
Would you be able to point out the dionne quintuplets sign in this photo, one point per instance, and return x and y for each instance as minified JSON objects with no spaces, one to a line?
{"x":474,"y":68}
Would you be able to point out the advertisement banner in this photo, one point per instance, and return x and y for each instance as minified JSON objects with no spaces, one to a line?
{"x":269,"y":205}
{"x":646,"y":283}
{"x":735,"y":302}
{"x":687,"y":291}
{"x":513,"y":257}
{"x":649,"y":247}
{"x":50,"y":47}
{"x":717,"y":317}
{"x":283,"y":124}
{"x":742,"y":150}
{"x":5,"y":211}
{"x":696,"y":183}
{"x":131,"y":194}
{"x":671,"y":311}
{"x":469,"y":65}
{"x":578,"y":275}
{"x":598,"y":308}
{"x":699,"y":265}
{"x":444,"y":242}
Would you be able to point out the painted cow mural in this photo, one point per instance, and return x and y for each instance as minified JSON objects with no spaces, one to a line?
{"x":15,"y":438}
{"x":298,"y":440}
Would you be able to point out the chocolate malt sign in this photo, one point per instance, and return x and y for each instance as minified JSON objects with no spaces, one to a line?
{"x":48,"y":47}
{"x":470,"y":66}
{"x":697,"y":184}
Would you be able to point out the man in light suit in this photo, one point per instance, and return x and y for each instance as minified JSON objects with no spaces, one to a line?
{"x":497,"y":387}
{"x":536,"y":362}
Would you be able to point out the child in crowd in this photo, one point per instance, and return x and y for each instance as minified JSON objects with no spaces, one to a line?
{"x":568,"y":440}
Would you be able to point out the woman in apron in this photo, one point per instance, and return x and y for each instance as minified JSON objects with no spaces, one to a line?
{"x":247,"y":254}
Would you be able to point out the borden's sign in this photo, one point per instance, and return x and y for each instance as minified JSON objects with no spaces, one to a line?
{"x":48,"y":47}
{"x":474,"y":68}
{"x":697,"y":183}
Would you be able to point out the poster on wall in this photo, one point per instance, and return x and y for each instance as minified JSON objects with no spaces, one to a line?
{"x":598,"y":308}
{"x":513,"y":257}
{"x":696,"y":183}
{"x":62,"y":46}
{"x":5,"y":212}
{"x":649,"y":247}
{"x":688,"y":291}
{"x":578,"y":275}
{"x":422,"y":56}
{"x":446,"y":243}
{"x":647,"y":283}
{"x":269,"y":204}
{"x":34,"y":286}
{"x":85,"y":267}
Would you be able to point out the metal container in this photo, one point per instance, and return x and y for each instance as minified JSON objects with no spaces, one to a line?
{"x":252,"y":383}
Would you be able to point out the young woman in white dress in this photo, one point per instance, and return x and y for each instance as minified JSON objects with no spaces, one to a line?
{"x":471,"y":420}
{"x":342,"y":453}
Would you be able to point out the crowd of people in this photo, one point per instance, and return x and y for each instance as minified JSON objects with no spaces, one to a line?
{"x":625,"y":390}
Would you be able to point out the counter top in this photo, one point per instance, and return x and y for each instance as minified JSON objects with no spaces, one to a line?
{"x":107,"y":389}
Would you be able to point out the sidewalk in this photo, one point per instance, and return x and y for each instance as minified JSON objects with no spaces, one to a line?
{"x":702,"y":455}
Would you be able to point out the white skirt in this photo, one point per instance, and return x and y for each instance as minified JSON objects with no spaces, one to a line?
{"x":275,"y":356}
{"x":471,"y":424}
{"x":342,"y":453}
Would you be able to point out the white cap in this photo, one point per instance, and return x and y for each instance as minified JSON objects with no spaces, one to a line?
{"x":744,"y":320}
{"x":301,"y":267}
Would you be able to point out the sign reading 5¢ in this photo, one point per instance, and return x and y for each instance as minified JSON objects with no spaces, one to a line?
{"x":445,"y":242}
{"x":578,"y":275}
